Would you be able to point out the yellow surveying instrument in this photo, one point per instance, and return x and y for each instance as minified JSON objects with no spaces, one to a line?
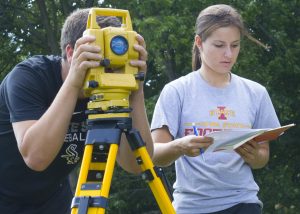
{"x":108,"y":117}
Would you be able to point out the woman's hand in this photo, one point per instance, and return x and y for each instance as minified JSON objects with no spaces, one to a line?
{"x":190,"y":145}
{"x":167,"y":150}
{"x":254,"y":153}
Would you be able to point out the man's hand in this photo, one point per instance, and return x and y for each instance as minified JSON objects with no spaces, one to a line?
{"x":141,"y":63}
{"x":85,"y":55}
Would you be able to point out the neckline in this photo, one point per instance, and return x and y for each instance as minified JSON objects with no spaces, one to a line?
{"x":215,"y":87}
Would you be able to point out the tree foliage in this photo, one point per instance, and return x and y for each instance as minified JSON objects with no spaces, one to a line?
{"x":32,"y":27}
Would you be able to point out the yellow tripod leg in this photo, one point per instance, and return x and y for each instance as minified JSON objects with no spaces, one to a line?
{"x":92,"y":192}
{"x":86,"y":160}
{"x":109,"y":169}
{"x":155,"y":184}
{"x":103,"y":190}
{"x":149,"y":172}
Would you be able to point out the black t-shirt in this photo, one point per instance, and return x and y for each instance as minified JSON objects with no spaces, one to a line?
{"x":25,"y":94}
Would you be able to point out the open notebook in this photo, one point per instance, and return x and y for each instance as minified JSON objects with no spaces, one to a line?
{"x":231,"y":139}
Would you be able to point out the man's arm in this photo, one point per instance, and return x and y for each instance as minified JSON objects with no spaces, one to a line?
{"x":140,"y":121}
{"x":40,"y":141}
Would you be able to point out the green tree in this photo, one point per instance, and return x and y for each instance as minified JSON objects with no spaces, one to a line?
{"x":33,"y":27}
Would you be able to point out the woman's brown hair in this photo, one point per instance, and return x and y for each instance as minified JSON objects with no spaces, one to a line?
{"x":212,"y":18}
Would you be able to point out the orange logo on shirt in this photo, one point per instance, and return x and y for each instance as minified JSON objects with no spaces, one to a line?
{"x":222,"y":113}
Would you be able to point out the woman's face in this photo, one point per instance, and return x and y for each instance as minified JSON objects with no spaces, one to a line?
{"x":220,"y":50}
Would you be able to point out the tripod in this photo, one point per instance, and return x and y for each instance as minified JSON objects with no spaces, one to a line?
{"x":99,"y":158}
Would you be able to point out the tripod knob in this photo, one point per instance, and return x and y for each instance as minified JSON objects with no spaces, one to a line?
{"x":93,"y":84}
{"x":105,"y":62}
{"x":140,"y":76}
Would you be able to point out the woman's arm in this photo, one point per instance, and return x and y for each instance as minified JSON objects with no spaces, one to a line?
{"x":166,"y":150}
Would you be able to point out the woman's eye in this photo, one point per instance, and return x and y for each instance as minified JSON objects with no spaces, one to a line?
{"x":218,"y":46}
{"x":235,"y":46}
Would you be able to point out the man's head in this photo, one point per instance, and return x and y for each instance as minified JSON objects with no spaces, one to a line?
{"x":75,"y":25}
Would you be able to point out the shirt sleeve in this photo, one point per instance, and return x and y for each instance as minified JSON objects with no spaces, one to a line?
{"x":167,"y":110}
{"x":266,"y":116}
{"x":24,"y":95}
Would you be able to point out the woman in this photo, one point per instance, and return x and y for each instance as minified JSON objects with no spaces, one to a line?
{"x":213,"y":98}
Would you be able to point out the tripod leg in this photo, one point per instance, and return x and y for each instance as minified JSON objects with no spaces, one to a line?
{"x":111,"y":160}
{"x":92,"y":191}
{"x":165,"y":181}
{"x":149,"y":174}
{"x":87,"y":156}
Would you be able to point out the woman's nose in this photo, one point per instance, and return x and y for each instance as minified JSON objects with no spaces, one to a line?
{"x":228,"y":52}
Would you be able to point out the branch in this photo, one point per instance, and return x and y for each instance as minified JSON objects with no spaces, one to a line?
{"x":65,"y":7}
{"x":170,"y":64}
{"x":89,"y":3}
{"x":52,"y":44}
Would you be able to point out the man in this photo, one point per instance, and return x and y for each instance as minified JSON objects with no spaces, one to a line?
{"x":42,"y":121}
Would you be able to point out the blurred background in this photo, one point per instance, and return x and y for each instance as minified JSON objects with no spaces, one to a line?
{"x":32,"y":27}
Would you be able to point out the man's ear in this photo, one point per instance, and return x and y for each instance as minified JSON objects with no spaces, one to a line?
{"x":198,"y":42}
{"x":69,"y":53}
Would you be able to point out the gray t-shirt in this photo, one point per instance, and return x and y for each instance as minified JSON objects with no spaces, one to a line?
{"x":222,"y":179}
